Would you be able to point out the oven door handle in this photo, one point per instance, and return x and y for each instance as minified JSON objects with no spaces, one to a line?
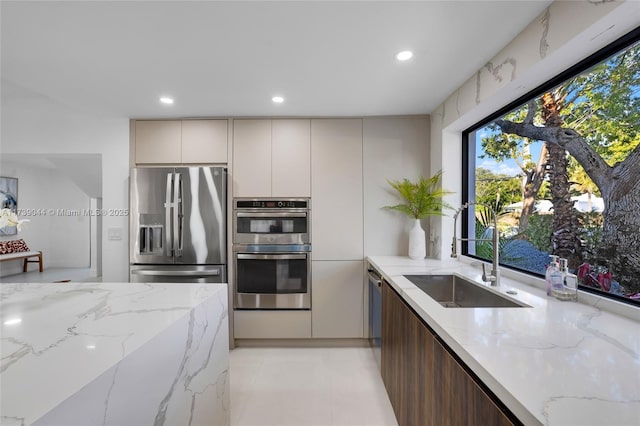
{"x":241,"y":256}
{"x":274,"y":214}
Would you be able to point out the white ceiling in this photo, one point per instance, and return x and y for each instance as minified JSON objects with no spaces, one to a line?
{"x":229,"y":58}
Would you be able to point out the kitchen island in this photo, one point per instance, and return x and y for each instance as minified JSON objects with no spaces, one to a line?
{"x":553,"y":362}
{"x":114,"y":354}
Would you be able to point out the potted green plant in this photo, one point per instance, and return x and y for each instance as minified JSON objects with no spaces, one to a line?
{"x":423,"y":198}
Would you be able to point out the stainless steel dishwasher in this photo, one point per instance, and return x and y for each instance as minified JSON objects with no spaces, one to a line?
{"x":375,"y":313}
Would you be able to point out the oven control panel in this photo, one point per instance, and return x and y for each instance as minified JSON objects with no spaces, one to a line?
{"x":272,"y":204}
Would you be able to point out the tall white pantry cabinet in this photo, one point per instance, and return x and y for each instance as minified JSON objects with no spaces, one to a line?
{"x":336,"y":186}
{"x":351,"y":162}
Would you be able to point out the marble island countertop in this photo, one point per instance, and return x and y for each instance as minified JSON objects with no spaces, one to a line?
{"x":114,"y":353}
{"x":553,"y":363}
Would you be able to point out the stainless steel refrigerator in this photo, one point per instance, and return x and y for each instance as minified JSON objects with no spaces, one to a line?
{"x":178,"y":224}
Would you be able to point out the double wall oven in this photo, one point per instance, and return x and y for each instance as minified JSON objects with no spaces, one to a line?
{"x":272,"y":253}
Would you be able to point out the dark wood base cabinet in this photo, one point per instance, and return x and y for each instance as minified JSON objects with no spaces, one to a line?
{"x":425,"y":382}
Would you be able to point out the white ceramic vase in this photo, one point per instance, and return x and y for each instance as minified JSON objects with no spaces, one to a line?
{"x":417,"y":242}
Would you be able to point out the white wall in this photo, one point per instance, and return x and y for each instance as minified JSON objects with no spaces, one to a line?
{"x":394,"y":148}
{"x":33,"y":124}
{"x":565,"y":33}
{"x":64,"y":240}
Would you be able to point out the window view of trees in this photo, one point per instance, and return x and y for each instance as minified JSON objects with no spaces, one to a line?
{"x":563,"y":172}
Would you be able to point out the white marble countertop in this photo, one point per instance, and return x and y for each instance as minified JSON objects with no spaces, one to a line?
{"x":57,"y":338}
{"x":553,"y":363}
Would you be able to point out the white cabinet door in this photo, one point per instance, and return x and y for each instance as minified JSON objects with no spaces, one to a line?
{"x":252,"y":158}
{"x":337,"y":299}
{"x":180,"y":141}
{"x":204,"y":141}
{"x":158,"y":142}
{"x":394,"y":148}
{"x":291,"y":158}
{"x":336,"y":189}
{"x":271,"y":324}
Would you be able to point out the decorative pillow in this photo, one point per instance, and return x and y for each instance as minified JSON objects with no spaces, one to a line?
{"x":13,"y":246}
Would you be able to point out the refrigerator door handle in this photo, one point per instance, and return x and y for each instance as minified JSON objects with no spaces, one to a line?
{"x":177,"y":215}
{"x":161,"y":273}
{"x":167,"y":216}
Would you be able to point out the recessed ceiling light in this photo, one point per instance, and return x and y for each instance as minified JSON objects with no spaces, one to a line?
{"x":277,"y":99}
{"x":166,"y":100}
{"x":405,"y":55}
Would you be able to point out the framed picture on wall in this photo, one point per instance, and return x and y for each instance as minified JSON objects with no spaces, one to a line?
{"x":9,"y":200}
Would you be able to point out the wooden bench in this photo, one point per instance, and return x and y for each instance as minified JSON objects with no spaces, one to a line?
{"x":18,"y":249}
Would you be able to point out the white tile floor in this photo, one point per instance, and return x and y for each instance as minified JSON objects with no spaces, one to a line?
{"x":307,"y":386}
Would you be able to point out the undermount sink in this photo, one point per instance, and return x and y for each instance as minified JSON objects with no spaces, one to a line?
{"x":452,"y":291}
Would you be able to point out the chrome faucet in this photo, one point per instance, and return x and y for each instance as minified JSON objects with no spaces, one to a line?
{"x":494,"y":278}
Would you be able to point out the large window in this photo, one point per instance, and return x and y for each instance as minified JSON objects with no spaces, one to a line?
{"x":561,"y":167}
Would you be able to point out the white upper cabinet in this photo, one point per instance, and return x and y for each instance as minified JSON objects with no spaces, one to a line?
{"x":252,"y":158}
{"x":180,"y":141}
{"x":336,"y":189}
{"x":271,"y":158}
{"x":204,"y":141}
{"x":158,"y":142}
{"x":291,"y":158}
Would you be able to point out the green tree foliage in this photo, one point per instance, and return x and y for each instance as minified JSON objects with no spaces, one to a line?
{"x":591,"y":235}
{"x":581,"y":181}
{"x":600,"y":128}
{"x":539,"y":232}
{"x":501,"y":146}
{"x":603,"y":105}
{"x":497,"y":189}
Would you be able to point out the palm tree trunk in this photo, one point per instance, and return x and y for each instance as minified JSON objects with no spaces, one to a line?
{"x":566,"y":242}
{"x":531,"y":186}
